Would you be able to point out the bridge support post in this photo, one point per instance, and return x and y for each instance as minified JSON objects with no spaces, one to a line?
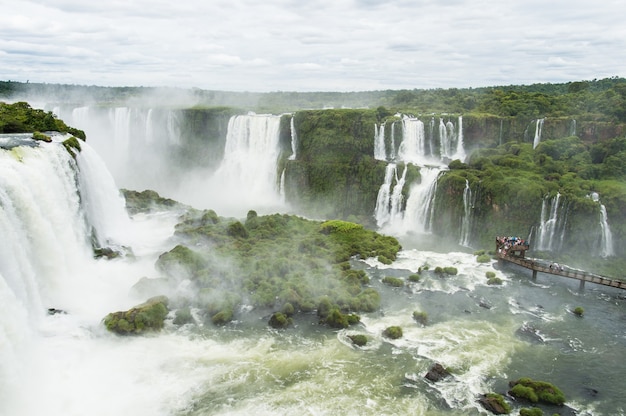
{"x":581,"y":285}
{"x":534,"y":275}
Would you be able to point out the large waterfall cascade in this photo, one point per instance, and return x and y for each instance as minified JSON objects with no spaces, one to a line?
{"x":417,"y":148}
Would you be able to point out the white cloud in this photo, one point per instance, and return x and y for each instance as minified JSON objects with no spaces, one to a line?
{"x":322,"y":45}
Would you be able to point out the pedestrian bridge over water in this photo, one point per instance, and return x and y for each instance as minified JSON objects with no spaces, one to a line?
{"x":538,"y":266}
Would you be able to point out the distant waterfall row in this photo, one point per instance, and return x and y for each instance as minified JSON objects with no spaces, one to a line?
{"x":424,"y":150}
{"x":227,"y":170}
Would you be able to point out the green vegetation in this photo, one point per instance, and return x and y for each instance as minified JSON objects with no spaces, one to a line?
{"x":358,"y":340}
{"x":280,"y":320}
{"x":148,"y":200}
{"x":579,"y":311}
{"x":72,"y":145}
{"x":448,"y":270}
{"x":415,"y":277}
{"x":42,"y":137}
{"x":280,"y":262}
{"x":21,"y":118}
{"x":420,"y":317}
{"x":483,"y":258}
{"x":536,"y":391}
{"x":147,"y":317}
{"x":393,"y":332}
{"x":533,"y":411}
{"x":495,"y":403}
{"x":393,"y":281}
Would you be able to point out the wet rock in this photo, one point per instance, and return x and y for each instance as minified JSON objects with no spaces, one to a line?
{"x":437,"y":373}
{"x":494,"y":403}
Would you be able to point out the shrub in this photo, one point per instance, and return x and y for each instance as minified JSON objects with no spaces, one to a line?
{"x":579,"y":311}
{"x":42,"y":137}
{"x":223,"y":317}
{"x":490,"y":275}
{"x":279,"y":320}
{"x":414,"y":278}
{"x":450,"y":270}
{"x":494,"y":281}
{"x":393,"y":332}
{"x":237,"y":229}
{"x":393,"y":281}
{"x":535,"y":391}
{"x":533,"y":411}
{"x":483,"y":258}
{"x":420,"y":317}
{"x":358,"y":340}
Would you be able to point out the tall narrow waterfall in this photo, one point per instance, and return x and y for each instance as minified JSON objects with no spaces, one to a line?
{"x":551,"y":229}
{"x":390,"y":201}
{"x":294,"y":139}
{"x":466,"y":223}
{"x":412,"y":148}
{"x":418,"y":215}
{"x":379,"y":142}
{"x":605,"y":248}
{"x":538,"y":129}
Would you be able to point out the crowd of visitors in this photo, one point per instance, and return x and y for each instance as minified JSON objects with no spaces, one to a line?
{"x":504,"y":244}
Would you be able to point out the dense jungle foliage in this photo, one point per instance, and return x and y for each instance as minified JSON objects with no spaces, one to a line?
{"x":278,"y":263}
{"x":603,"y":99}
{"x":21,"y":118}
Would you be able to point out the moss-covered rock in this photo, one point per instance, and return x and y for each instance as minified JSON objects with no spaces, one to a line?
{"x":495,"y":403}
{"x":147,"y":201}
{"x":393,"y":281}
{"x":393,"y":332}
{"x":72,"y":145}
{"x":420,"y":317}
{"x":359,"y":340}
{"x":279,"y":320}
{"x":147,"y":317}
{"x":536,"y":391}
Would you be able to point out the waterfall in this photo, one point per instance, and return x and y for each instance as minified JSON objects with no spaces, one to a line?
{"x":102,"y":203}
{"x":460,"y":146}
{"x":392,"y":151}
{"x":412,"y":147}
{"x":247,"y":176}
{"x":283,"y":198}
{"x":552,"y":224}
{"x":572,"y":128}
{"x":466,"y":223}
{"x":606,"y":237}
{"x":173,"y":128}
{"x":294,"y":139}
{"x":389,"y":202}
{"x":538,"y":129}
{"x":121,"y":117}
{"x":445,"y":137}
{"x":379,"y":142}
{"x":418,"y":215}
{"x":606,"y":242}
{"x":149,"y":138}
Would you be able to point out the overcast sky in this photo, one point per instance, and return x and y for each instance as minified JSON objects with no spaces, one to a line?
{"x":314,"y":45}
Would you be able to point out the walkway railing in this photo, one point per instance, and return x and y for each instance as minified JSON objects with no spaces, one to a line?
{"x":582,"y":276}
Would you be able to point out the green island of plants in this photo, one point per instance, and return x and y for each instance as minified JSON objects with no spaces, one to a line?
{"x":536,"y":391}
{"x":147,"y":317}
{"x":282,"y":263}
{"x":393,"y":332}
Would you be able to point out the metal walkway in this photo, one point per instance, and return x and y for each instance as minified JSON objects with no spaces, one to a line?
{"x":582,"y":276}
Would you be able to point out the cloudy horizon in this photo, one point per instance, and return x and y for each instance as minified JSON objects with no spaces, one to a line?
{"x":324,"y":45}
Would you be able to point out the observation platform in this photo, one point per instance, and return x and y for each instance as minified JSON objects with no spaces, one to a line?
{"x":516,"y":254}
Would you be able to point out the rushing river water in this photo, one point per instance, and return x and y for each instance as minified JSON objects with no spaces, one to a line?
{"x":68,"y":364}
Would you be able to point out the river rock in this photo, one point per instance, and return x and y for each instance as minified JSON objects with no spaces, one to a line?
{"x":437,"y":373}
{"x":147,"y":317}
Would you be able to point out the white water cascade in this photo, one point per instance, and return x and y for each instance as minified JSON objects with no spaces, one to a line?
{"x":466,"y":223}
{"x":551,"y":231}
{"x":538,"y":130}
{"x":379,"y":142}
{"x":390,"y":200}
{"x":606,"y":236}
{"x":294,"y":139}
{"x":247,"y":176}
{"x":417,"y":215}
